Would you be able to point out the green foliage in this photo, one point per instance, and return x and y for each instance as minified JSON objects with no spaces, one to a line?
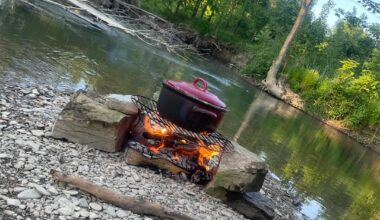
{"x":344,"y":96}
{"x":302,"y":79}
{"x":373,"y":63}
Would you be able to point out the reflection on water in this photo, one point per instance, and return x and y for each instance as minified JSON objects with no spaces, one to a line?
{"x":335,"y":178}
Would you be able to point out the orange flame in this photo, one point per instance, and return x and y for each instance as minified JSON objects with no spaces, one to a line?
{"x":175,"y":157}
{"x":155,"y":129}
{"x":205,"y":154}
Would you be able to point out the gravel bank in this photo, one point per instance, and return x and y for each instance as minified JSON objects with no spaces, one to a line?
{"x":27,"y":154}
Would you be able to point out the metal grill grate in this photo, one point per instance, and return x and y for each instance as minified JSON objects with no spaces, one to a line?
{"x":214,"y":141}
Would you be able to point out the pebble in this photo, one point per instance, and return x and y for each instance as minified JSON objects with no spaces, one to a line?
{"x":19,"y":165}
{"x":37,"y":133}
{"x":29,"y":167}
{"x":13,"y":202}
{"x":95,"y":206}
{"x":29,"y":194}
{"x":48,"y":209}
{"x":136,"y":177}
{"x":52,"y":190}
{"x":93,"y":215}
{"x":35,"y":92}
{"x":5,"y":156}
{"x":121,"y":213}
{"x":32,"y":96}
{"x":83,"y":203}
{"x":111,"y":211}
{"x":66,"y":211}
{"x":18,"y":189}
{"x":70,"y":192}
{"x":9,"y":212}
{"x":84,"y":213}
{"x":41,"y":190}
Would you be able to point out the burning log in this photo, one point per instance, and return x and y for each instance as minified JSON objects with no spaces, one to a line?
{"x":159,"y":145}
{"x":134,"y":157}
{"x":119,"y":200}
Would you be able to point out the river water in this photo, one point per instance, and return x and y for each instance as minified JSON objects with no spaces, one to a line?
{"x":334,"y":176}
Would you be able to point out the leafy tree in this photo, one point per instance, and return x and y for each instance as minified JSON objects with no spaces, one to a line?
{"x":371,"y":5}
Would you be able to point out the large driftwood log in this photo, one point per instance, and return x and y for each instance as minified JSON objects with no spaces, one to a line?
{"x":87,"y":121}
{"x":239,"y":171}
{"x":117,"y":199}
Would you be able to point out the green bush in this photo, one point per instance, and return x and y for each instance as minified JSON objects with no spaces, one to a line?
{"x":302,"y":79}
{"x":344,"y":96}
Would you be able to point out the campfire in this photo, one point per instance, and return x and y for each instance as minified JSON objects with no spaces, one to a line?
{"x":197,"y":153}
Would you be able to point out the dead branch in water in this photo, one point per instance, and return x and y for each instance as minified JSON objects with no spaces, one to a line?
{"x":146,"y":26}
{"x":117,"y":199}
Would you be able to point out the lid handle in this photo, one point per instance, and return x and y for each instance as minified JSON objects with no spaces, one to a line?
{"x":204,"y":84}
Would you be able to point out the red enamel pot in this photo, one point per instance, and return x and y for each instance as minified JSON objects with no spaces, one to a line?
{"x":191,"y":105}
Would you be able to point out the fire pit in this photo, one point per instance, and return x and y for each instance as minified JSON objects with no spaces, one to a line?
{"x":197,"y":153}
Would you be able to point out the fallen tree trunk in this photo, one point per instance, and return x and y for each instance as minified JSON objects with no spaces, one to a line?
{"x":119,"y":200}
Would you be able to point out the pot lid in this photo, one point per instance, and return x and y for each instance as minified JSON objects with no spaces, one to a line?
{"x":197,"y":90}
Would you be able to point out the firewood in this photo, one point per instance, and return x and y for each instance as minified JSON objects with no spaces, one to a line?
{"x":133,"y":157}
{"x":125,"y":202}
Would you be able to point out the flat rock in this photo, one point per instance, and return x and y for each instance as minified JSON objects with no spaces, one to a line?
{"x":252,"y":205}
{"x":239,"y":171}
{"x":29,"y":194}
{"x":121,"y":103}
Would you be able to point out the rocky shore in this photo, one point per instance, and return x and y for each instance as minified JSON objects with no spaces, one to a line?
{"x":28,"y":153}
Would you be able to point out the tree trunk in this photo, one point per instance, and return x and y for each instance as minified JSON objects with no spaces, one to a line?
{"x":234,"y":3}
{"x":196,"y":8}
{"x":203,"y":11}
{"x":179,"y":3}
{"x":212,"y":15}
{"x":271,"y":82}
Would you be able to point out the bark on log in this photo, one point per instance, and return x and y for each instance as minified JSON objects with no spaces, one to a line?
{"x":87,"y":121}
{"x":239,"y":171}
{"x":117,"y":199}
{"x":133,"y":157}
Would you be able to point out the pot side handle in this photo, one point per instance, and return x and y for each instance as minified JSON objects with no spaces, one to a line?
{"x":204,"y":84}
{"x":205,"y":112}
